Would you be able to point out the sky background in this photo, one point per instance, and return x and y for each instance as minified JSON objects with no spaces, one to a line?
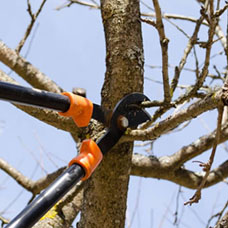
{"x":69,"y":47}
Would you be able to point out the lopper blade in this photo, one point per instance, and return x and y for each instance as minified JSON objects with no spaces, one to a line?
{"x":130,"y":107}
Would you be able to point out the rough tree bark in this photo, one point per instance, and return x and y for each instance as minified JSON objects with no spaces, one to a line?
{"x":224,"y":222}
{"x":106,"y":192}
{"x":103,"y":202}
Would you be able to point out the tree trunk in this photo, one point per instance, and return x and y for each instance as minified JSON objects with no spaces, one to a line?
{"x":105,"y":194}
{"x":223,"y":223}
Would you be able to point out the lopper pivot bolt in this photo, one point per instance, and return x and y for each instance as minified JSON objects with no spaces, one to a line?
{"x":127,"y":113}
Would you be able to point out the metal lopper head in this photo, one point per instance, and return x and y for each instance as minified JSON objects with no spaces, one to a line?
{"x":127,"y":114}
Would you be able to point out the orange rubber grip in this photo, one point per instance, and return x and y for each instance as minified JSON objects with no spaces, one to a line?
{"x":89,"y":157}
{"x":81,"y":109}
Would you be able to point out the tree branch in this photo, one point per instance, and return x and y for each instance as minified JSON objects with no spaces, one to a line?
{"x":64,"y":212}
{"x":29,"y":28}
{"x":175,"y":16}
{"x":33,"y":186}
{"x":16,"y":175}
{"x":187,"y":51}
{"x":164,"y":46}
{"x":196,"y":148}
{"x":208,"y":103}
{"x":218,"y":215}
{"x":83,"y":3}
{"x":160,"y":168}
{"x":178,"y":70}
{"x":223,"y":223}
{"x":107,"y":189}
{"x":26,"y":70}
{"x":50,"y":117}
{"x":207,"y":166}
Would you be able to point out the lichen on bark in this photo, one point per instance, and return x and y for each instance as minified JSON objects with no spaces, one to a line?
{"x":105,"y":194}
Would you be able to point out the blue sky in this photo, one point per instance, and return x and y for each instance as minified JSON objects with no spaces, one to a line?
{"x":69,"y":47}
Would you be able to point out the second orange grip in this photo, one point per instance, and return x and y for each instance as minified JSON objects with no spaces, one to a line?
{"x":89,"y":157}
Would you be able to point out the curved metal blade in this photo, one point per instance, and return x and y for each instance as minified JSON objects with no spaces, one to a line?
{"x":129,"y":107}
{"x":137,"y":117}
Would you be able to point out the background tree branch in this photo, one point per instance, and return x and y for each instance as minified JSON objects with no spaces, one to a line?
{"x":195,"y":89}
{"x":26,"y":70}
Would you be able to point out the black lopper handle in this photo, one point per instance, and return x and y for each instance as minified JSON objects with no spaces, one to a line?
{"x":34,"y":97}
{"x":48,"y":198}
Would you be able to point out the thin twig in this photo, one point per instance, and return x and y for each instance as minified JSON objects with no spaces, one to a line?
{"x":218,"y":215}
{"x":149,"y":104}
{"x":200,"y":80}
{"x":178,"y":70}
{"x":190,"y":44}
{"x":70,"y":2}
{"x":26,"y":70}
{"x":137,"y":200}
{"x":149,"y":22}
{"x":31,"y":40}
{"x":16,"y":175}
{"x":164,"y":46}
{"x":219,"y":12}
{"x":223,"y":223}
{"x":195,"y":109}
{"x":196,"y":62}
{"x":207,"y":166}
{"x":175,"y":17}
{"x":95,"y":5}
{"x":30,"y":26}
{"x":166,"y":18}
{"x":176,"y":220}
{"x":33,"y":186}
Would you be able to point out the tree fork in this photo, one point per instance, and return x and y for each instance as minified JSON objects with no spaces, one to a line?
{"x":105,"y":194}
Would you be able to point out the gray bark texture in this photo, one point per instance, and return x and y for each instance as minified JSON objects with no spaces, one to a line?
{"x":105,"y":194}
{"x":102,"y":199}
{"x":223,"y":223}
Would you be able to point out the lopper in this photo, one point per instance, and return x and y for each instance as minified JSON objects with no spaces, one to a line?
{"x":127,"y":113}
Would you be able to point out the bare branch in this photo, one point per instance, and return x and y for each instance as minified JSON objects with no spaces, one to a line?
{"x":96,"y":6}
{"x":223,"y":223}
{"x":33,"y":186}
{"x":204,"y":72}
{"x":83,"y":3}
{"x":16,"y":175}
{"x":160,"y":168}
{"x":26,"y":70}
{"x":207,"y":166}
{"x":29,"y":28}
{"x":176,"y":17}
{"x":196,"y":148}
{"x":218,"y":215}
{"x":164,"y":46}
{"x":219,"y":12}
{"x":187,"y":51}
{"x":149,"y":104}
{"x":50,"y":117}
{"x":149,"y":22}
{"x":218,"y":30}
{"x":208,"y":103}
{"x":178,"y":70}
